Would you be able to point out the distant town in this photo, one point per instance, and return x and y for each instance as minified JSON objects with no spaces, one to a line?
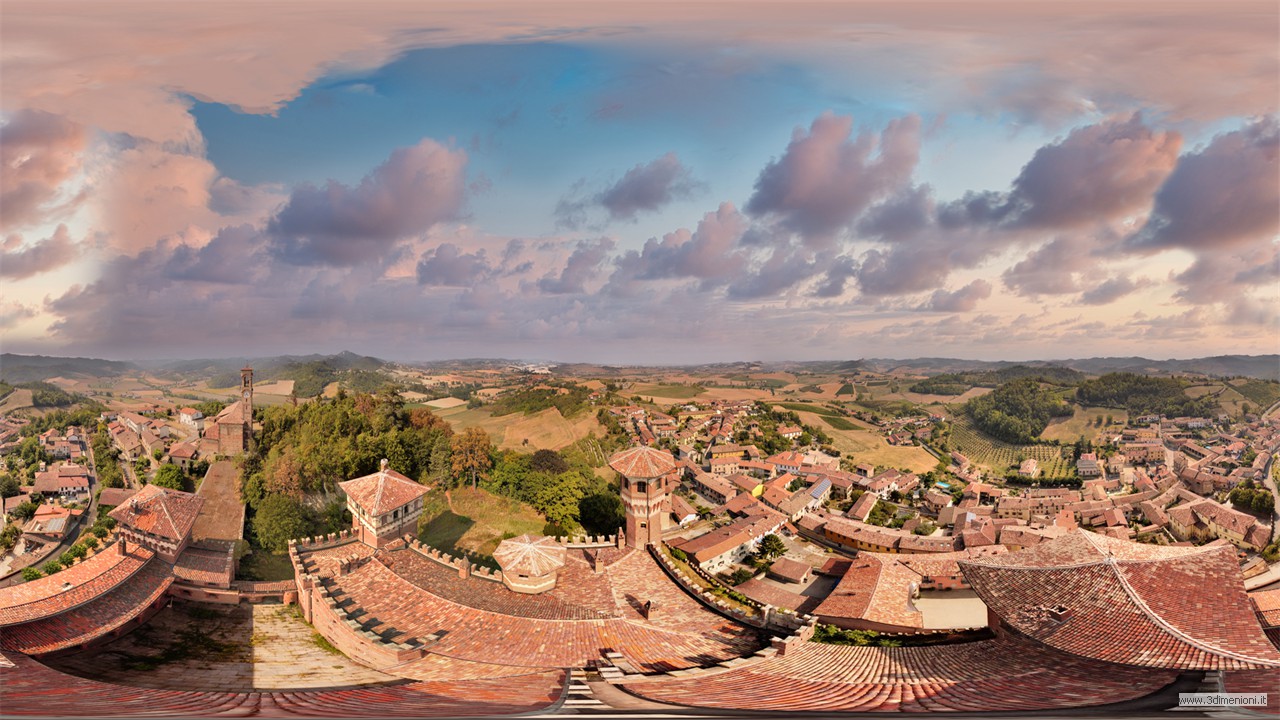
{"x":492,"y":537}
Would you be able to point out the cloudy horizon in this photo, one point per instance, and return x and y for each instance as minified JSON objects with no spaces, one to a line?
{"x":592,"y":182}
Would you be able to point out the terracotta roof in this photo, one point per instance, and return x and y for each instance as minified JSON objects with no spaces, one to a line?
{"x":532,"y":555}
{"x":111,"y":497}
{"x":788,"y":569}
{"x":642,"y":462}
{"x":1267,"y":603}
{"x":160,"y":511}
{"x":876,"y":589}
{"x":70,"y":587}
{"x":1125,"y":602}
{"x":383,"y":491}
{"x":233,"y":413}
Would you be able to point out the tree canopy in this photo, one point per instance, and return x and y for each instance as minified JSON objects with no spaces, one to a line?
{"x":1018,"y":411}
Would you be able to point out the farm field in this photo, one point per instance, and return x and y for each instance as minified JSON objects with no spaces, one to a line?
{"x":865,"y":445}
{"x":474,"y":520}
{"x":1001,"y":456}
{"x":1067,"y":430}
{"x":16,"y":400}
{"x":544,"y":430}
{"x":665,"y":391}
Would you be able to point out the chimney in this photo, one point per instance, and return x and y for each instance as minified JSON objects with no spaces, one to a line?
{"x":122,"y":546}
{"x":382,"y":466}
{"x":464,"y":569}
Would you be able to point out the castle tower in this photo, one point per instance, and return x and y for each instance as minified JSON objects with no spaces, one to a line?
{"x":648,"y":475}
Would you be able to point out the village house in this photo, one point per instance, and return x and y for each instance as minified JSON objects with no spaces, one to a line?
{"x":720,"y":548}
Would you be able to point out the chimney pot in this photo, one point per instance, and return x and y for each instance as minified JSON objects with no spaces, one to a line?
{"x":383,"y":465}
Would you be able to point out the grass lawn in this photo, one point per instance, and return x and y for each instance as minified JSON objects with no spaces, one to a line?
{"x":477,"y":522}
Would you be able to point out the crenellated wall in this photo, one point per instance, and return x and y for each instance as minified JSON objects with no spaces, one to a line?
{"x":347,"y":634}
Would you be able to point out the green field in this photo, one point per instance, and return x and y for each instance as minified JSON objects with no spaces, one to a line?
{"x":825,"y":412}
{"x":838,"y":423}
{"x":1082,"y":424}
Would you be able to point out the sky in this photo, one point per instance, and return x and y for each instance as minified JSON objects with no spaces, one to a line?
{"x":656,"y":183}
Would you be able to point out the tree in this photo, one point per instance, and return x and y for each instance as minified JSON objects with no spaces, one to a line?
{"x":157,"y":453}
{"x":470,"y":454}
{"x":771,"y":546}
{"x":51,"y":567}
{"x":9,"y":486}
{"x":548,"y":461}
{"x":279,"y":519}
{"x":601,"y":513}
{"x":169,"y":476}
{"x":30,"y":573}
{"x":25,"y":511}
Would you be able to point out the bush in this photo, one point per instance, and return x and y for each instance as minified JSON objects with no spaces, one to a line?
{"x":679,"y":554}
{"x":29,"y":574}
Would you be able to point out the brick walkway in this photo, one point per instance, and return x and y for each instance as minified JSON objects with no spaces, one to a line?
{"x":264,"y":647}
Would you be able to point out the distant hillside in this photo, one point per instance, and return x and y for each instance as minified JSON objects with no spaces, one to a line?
{"x":310,"y":373}
{"x":1265,"y":367}
{"x":16,"y":369}
{"x":957,"y":383}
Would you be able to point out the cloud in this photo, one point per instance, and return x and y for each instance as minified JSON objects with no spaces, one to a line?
{"x":1052,"y":268}
{"x":836,"y":275}
{"x":448,"y":266}
{"x":784,"y":267}
{"x":644,"y":188}
{"x":707,"y":254}
{"x":19,"y":261}
{"x":963,"y":300}
{"x":1112,"y":289}
{"x":1223,"y":195}
{"x":826,"y":178}
{"x":39,"y":152}
{"x":235,"y":256}
{"x":13,"y":314}
{"x":583,"y":265}
{"x":1107,"y":170}
{"x":414,"y":189}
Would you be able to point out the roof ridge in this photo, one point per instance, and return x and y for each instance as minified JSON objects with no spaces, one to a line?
{"x":1177,"y":633}
{"x":165,"y":507}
